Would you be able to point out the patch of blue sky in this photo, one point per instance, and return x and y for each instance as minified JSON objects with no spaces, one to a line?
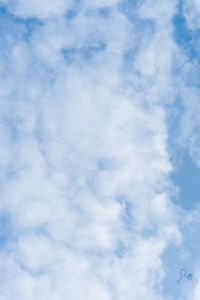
{"x":184,"y":256}
{"x":174,"y":263}
{"x":87,"y":52}
{"x":142,"y":30}
{"x":121,"y":249}
{"x":129,"y":6}
{"x":126,"y":216}
{"x":105,"y":12}
{"x":71,"y":14}
{"x":73,"y":11}
{"x":142,"y":27}
{"x":186,"y":39}
{"x":186,"y":175}
{"x":18,"y":27}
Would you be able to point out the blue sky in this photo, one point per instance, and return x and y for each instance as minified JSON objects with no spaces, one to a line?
{"x":99,"y":149}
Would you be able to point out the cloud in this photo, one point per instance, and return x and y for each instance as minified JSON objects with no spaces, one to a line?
{"x":84,"y":150}
{"x":36,"y":9}
{"x":191,"y":11}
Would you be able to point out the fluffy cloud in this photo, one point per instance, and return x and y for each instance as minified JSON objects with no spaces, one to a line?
{"x":85,"y":166}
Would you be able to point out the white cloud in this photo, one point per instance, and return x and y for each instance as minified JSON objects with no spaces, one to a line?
{"x":48,"y":9}
{"x":196,"y":295}
{"x":38,"y":9}
{"x":88,"y":189}
{"x":100,"y":3}
{"x":160,"y":11}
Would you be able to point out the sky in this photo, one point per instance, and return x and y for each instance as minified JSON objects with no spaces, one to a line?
{"x":99,"y":149}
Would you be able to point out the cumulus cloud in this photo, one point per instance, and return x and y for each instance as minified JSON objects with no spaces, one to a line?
{"x":84,"y":157}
